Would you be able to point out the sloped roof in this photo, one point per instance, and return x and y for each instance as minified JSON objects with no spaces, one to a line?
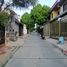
{"x":55,"y":5}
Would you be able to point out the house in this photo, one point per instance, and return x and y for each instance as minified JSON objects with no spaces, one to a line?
{"x":58,"y":19}
{"x":56,"y":26}
{"x":53,"y":13}
{"x":55,"y":10}
{"x":14,"y":28}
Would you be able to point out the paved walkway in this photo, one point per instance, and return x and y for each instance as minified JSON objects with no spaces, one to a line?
{"x":62,"y":47}
{"x":37,"y":53}
{"x":7,"y":51}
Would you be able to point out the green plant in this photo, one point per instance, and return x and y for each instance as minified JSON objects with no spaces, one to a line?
{"x":4,"y":18}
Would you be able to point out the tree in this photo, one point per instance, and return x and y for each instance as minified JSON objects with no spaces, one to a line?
{"x":26,"y":20}
{"x":24,"y":3}
{"x":39,"y":14}
{"x":1,"y":3}
{"x":18,"y":3}
{"x":4,"y":18}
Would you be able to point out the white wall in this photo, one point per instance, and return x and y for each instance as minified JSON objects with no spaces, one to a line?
{"x":15,"y":27}
{"x":61,"y":10}
{"x":24,"y":29}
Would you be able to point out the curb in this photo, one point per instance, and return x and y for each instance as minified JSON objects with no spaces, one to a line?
{"x":61,"y":49}
{"x":9,"y":56}
{"x":11,"y":52}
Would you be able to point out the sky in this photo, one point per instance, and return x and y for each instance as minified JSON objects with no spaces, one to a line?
{"x":42,"y":2}
{"x":47,"y":2}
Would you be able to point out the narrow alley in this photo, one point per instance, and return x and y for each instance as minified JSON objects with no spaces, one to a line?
{"x":36,"y":52}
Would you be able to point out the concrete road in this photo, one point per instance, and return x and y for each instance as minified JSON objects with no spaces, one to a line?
{"x":37,"y":53}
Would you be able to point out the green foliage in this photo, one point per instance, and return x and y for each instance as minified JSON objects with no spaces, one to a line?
{"x":4,"y":17}
{"x":26,"y":19}
{"x":18,"y":3}
{"x":24,"y":3}
{"x":39,"y":14}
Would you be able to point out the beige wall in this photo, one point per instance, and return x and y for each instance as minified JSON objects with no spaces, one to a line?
{"x":47,"y":29}
{"x":55,"y":14}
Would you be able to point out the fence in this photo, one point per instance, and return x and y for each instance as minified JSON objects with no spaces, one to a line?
{"x":47,"y":29}
{"x":59,"y":28}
